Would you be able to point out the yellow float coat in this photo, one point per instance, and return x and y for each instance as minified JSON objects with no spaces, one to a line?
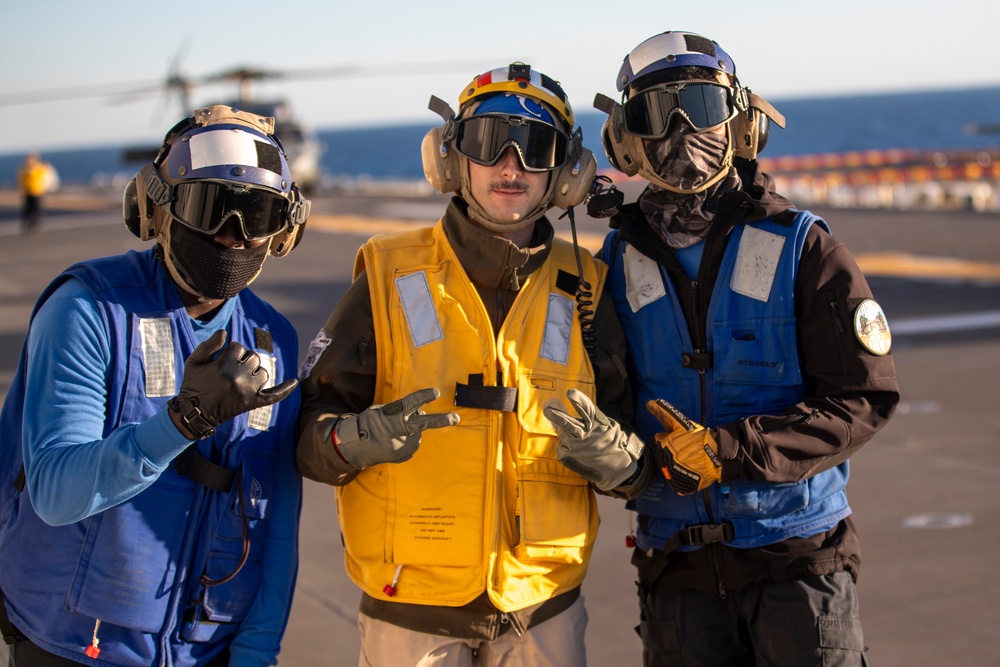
{"x":484,"y":505}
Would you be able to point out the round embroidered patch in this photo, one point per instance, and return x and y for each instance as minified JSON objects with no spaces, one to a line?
{"x":871,"y":328}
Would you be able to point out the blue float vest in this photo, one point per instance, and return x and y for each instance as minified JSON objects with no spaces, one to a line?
{"x":751,"y":340}
{"x":136,"y":566}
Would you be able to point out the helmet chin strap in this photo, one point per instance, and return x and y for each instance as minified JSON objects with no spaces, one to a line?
{"x":168,"y":259}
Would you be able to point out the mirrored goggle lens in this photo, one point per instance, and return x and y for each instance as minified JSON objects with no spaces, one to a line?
{"x":205,"y":206}
{"x":647,"y":114}
{"x":483,"y":140}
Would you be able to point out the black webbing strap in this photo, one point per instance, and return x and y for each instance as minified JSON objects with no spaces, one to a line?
{"x":697,"y":360}
{"x":700,"y":535}
{"x":193,"y":465}
{"x":20,"y":480}
{"x":475,"y":395}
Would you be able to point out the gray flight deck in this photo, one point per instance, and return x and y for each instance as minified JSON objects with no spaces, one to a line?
{"x":925,"y":491}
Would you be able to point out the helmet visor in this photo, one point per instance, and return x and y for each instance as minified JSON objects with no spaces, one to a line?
{"x":205,"y":205}
{"x":484,"y":138}
{"x":705,"y":106}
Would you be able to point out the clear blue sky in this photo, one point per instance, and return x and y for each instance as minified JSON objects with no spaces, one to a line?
{"x":783,"y":50}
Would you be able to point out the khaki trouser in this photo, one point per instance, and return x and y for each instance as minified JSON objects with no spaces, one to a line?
{"x":558,"y":642}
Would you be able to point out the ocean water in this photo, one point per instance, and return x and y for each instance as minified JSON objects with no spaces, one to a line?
{"x":931,"y":120}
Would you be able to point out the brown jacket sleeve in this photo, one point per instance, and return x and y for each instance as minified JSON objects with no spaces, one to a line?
{"x":341,"y":382}
{"x":850,"y":392}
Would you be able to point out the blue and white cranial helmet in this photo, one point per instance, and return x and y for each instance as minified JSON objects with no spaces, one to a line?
{"x":673,"y":49}
{"x":228,"y":152}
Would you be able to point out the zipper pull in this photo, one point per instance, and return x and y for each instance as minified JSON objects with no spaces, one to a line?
{"x":390,"y":589}
{"x":94,"y":650}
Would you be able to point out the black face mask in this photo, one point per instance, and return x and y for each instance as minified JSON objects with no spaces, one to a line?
{"x":214,"y":271}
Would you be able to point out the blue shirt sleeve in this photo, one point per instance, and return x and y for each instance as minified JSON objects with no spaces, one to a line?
{"x":72,"y":470}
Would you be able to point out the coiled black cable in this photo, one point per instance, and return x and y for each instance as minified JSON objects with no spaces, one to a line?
{"x":584,"y":294}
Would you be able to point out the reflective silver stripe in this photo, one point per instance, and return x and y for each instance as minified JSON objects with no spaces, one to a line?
{"x":756,"y":263}
{"x":158,"y":356}
{"x":558,"y":328}
{"x":415,"y":295}
{"x":260,"y":418}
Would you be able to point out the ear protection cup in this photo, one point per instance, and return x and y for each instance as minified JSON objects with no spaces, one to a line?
{"x":283,"y":242}
{"x":130,"y":208}
{"x":624,"y":150}
{"x":441,"y":166}
{"x":137,"y":207}
{"x":573,"y":181}
{"x":751,"y":128}
{"x":746,"y":129}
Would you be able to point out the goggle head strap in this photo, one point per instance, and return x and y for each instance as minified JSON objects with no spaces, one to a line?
{"x":299,"y":209}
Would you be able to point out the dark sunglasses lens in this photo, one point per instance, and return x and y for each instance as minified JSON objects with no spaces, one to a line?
{"x":543,"y":147}
{"x":199,"y":205}
{"x":647,"y":114}
{"x":264,"y":213}
{"x":483,"y":139}
{"x":705,"y":105}
{"x":203,"y":205}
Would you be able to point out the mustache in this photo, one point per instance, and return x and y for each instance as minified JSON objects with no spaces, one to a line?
{"x":520,"y":186}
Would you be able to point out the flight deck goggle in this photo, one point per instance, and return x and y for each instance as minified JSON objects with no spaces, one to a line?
{"x":705,"y":106}
{"x":483,"y":139}
{"x":205,"y":206}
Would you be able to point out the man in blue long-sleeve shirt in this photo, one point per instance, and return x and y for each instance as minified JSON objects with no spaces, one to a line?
{"x":149,"y":500}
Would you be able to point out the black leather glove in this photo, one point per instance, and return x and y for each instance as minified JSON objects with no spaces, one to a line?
{"x":389,"y":433}
{"x":216,"y":389}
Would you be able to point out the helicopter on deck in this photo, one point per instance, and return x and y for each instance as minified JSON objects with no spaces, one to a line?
{"x":303,"y":147}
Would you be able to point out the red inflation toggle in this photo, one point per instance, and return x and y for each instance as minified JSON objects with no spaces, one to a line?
{"x":630,"y":541}
{"x":389,"y":590}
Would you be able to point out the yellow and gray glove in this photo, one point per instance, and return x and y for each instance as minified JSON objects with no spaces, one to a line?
{"x":593,"y":445}
{"x":388,"y":433}
{"x":690,"y":454}
{"x":215,"y":389}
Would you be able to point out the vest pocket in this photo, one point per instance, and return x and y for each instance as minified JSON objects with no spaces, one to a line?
{"x":749,"y":355}
{"x":539,"y":439}
{"x":128,"y":563}
{"x":763,"y":500}
{"x":558,"y":518}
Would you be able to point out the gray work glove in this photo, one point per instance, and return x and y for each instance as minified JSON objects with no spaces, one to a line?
{"x":215,"y":389}
{"x":388,"y":433}
{"x":592,"y":445}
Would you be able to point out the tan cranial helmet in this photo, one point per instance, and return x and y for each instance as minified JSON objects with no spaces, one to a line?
{"x":509,"y":106}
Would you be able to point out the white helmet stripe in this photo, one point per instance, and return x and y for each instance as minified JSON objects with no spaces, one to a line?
{"x":233,"y":146}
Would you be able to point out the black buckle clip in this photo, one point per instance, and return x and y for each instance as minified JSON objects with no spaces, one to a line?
{"x":709,"y":533}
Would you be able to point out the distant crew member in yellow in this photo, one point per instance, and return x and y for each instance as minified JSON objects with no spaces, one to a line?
{"x":35,"y":179}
